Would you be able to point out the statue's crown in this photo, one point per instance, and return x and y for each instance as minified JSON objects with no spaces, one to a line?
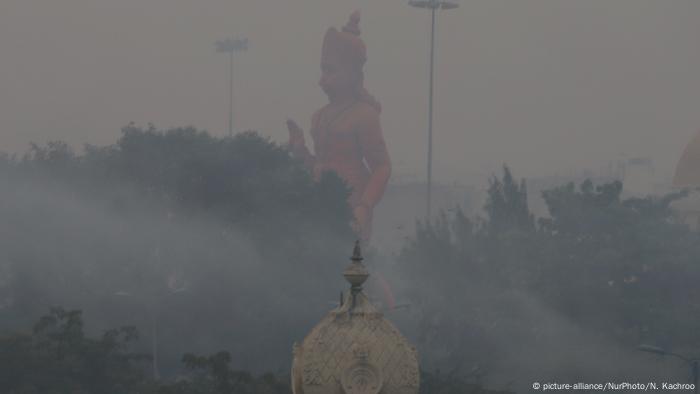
{"x":345,"y":46}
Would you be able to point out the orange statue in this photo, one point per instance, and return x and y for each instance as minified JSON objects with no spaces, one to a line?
{"x":346,"y":132}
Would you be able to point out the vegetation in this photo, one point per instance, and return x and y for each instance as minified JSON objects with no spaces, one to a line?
{"x":206,"y":243}
{"x":620,"y":270}
{"x":58,"y":358}
{"x":165,"y":230}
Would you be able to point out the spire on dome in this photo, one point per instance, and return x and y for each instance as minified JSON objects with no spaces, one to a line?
{"x":356,"y":273}
{"x":356,"y":252}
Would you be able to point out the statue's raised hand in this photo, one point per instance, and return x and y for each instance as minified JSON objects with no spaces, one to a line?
{"x":296,"y":134}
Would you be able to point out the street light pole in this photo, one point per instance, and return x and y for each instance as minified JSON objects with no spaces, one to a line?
{"x":230,"y":95}
{"x":230,"y":46}
{"x":432,"y":5}
{"x":430,"y":113}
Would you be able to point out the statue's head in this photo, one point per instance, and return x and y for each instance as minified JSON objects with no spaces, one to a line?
{"x":342,"y":59}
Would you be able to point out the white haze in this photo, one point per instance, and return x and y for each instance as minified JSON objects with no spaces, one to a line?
{"x":548,"y":86}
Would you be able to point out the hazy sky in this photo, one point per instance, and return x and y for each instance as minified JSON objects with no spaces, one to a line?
{"x":547,"y":86}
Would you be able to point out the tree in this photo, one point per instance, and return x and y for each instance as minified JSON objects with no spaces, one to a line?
{"x":57,"y":357}
{"x":120,"y":230}
{"x":506,"y":206}
{"x":213,"y":375}
{"x":621,"y":270}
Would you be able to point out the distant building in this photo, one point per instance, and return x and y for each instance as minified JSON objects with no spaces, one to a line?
{"x":688,"y":168}
{"x":687,"y":176}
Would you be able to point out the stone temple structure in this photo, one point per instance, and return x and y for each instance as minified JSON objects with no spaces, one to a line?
{"x":687,"y":176}
{"x":354,"y":349}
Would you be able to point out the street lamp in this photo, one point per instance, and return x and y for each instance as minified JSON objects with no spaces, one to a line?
{"x":692,"y":362}
{"x":432,"y":5}
{"x":230,"y":46}
{"x":158,"y":300}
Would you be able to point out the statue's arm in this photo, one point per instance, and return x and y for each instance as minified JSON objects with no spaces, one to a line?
{"x":376,"y":156}
{"x":302,"y":153}
{"x":297,"y":143}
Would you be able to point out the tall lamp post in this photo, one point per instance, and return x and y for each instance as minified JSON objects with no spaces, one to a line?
{"x":230,"y":46}
{"x":691,"y":362}
{"x":432,"y":5}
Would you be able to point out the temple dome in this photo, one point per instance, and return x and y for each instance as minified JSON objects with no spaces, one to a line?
{"x":354,"y":349}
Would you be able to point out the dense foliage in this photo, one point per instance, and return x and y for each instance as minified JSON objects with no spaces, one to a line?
{"x":213,"y":375}
{"x":602,"y":272}
{"x":244,"y":180}
{"x":207,"y":243}
{"x":179,"y":233}
{"x":58,"y":358}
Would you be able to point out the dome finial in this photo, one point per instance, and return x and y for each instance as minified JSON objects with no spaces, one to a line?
{"x":357,"y":252}
{"x":374,"y":356}
{"x":356,"y":273}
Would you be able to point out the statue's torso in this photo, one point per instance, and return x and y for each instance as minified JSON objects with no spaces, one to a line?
{"x":338,"y":147}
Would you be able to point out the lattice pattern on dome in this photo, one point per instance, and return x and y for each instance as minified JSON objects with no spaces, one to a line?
{"x":355,"y":338}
